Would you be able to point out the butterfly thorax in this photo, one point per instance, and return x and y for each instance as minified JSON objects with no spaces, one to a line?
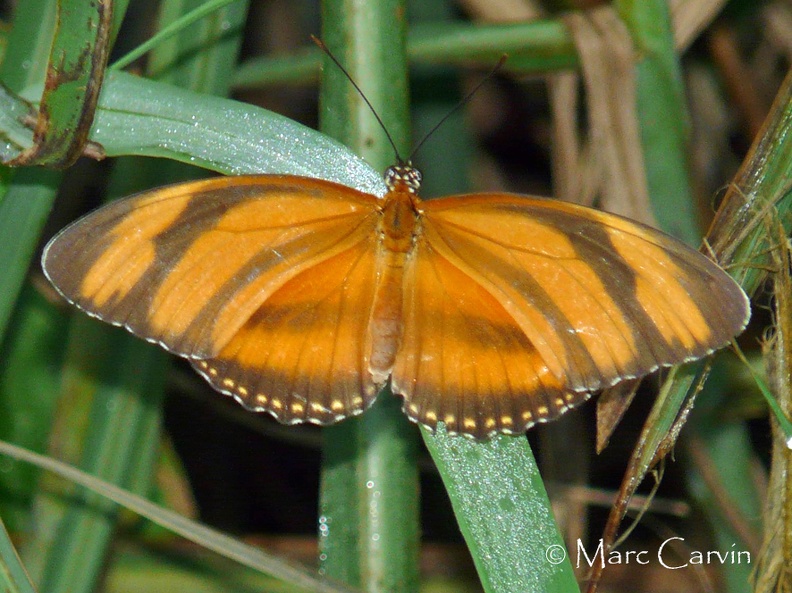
{"x":400,"y":214}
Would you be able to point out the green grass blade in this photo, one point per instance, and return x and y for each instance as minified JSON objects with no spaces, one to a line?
{"x":24,"y":206}
{"x":13,"y":577}
{"x":504,"y":513}
{"x":369,"y":492}
{"x":662,"y":116}
{"x":108,"y":412}
{"x":536,"y":46}
{"x":26,"y":200}
{"x":29,"y":44}
{"x":224,"y":545}
{"x":75,"y":71}
{"x":112,"y":410}
{"x":29,"y":385}
{"x":176,"y":27}
{"x":143,"y":117}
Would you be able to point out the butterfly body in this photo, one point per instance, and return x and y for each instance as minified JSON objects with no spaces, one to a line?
{"x":302,"y":297}
{"x":398,"y":231}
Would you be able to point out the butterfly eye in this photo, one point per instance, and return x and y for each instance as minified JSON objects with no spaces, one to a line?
{"x":404,"y":177}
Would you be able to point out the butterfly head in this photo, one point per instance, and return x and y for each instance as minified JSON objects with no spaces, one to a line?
{"x":403,"y":177}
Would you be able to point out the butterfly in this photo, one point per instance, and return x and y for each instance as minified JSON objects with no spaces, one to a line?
{"x":486,"y":312}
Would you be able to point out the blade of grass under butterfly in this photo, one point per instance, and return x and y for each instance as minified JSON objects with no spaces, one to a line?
{"x":504,"y":513}
{"x":495,"y":489}
{"x":369,"y":531}
{"x":499,"y":570}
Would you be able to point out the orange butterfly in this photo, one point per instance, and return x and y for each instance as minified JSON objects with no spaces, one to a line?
{"x":302,"y":297}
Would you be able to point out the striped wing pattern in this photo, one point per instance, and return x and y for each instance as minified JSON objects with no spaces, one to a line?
{"x":301,"y":355}
{"x":464,"y":361}
{"x":187,"y":265}
{"x":517,"y":309}
{"x":514,"y":309}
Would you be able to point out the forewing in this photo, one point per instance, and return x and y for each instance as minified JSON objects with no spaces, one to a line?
{"x":187,"y":265}
{"x":301,"y":356}
{"x":600,"y":298}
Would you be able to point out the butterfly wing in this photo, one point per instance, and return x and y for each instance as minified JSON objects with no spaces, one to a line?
{"x":463,"y":361}
{"x":188,"y":265}
{"x":302,"y":356}
{"x":562,"y":300}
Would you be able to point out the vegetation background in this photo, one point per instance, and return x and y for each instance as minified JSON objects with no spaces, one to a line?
{"x":704,"y":74}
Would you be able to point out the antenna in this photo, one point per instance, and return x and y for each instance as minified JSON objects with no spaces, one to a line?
{"x":464,"y":101}
{"x":456,"y":108}
{"x":330,"y":55}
